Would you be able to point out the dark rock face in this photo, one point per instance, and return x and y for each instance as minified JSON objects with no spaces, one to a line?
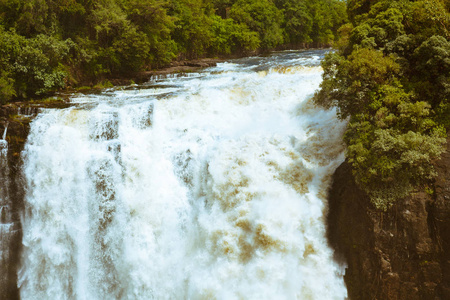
{"x":12,"y":197}
{"x":403,"y":253}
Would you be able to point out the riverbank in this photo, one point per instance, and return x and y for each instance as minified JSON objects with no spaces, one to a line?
{"x":17,"y":115}
{"x":183,"y":66}
{"x":178,"y":66}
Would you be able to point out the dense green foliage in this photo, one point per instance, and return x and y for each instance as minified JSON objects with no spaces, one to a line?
{"x":46,"y":45}
{"x":391,"y":80}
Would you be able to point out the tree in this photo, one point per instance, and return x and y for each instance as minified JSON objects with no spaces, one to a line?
{"x":391,"y":81}
{"x":261,"y":16}
{"x":350,"y":84}
{"x":151,"y":17}
{"x":105,"y":38}
{"x":38,"y":66}
{"x":230,"y":37}
{"x":193,"y":23}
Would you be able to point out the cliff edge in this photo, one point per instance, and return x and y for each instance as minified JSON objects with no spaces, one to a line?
{"x":403,"y":253}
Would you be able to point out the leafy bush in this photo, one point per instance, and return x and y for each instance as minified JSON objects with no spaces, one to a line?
{"x":391,"y":81}
{"x":31,"y":66}
{"x":9,"y":47}
{"x":350,"y":84}
{"x":389,"y":161}
{"x":7,"y":91}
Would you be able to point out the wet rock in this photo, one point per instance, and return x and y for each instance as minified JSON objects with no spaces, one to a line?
{"x":105,"y":126}
{"x":145,"y":118}
{"x":183,"y":167}
{"x":403,"y":253}
{"x":3,"y":146}
{"x":12,"y":195}
{"x":198,"y":64}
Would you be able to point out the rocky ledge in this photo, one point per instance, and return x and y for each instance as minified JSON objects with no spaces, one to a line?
{"x":17,"y":117}
{"x":175,"y":67}
{"x":403,"y":253}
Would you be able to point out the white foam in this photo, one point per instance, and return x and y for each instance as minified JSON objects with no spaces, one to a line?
{"x":219,"y":194}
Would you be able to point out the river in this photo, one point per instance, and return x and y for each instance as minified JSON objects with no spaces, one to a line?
{"x":209,"y":185}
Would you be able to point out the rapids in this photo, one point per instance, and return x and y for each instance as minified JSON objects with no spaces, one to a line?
{"x":210,"y":185}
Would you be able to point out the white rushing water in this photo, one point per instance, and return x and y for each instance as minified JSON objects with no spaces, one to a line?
{"x":209,"y":186}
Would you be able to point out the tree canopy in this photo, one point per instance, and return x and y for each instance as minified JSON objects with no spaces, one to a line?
{"x":46,"y":45}
{"x":390,"y":78}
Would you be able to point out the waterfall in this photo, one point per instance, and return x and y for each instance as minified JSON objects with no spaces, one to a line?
{"x":4,"y":145}
{"x":5,"y":131}
{"x":190,"y":187}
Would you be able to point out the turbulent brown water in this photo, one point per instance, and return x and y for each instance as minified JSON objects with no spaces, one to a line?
{"x":211,"y":185}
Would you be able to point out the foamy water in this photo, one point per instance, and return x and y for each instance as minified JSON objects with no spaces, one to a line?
{"x":192,"y":187}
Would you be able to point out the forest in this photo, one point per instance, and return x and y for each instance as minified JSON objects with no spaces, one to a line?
{"x":390,"y":77}
{"x":48,"y":45}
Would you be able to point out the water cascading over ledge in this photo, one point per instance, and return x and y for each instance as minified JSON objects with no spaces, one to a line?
{"x":205,"y":187}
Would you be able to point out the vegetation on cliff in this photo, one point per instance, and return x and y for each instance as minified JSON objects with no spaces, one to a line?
{"x":391,"y":78}
{"x":46,"y":45}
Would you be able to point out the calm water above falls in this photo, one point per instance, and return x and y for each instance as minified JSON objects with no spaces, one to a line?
{"x":207,"y":186}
